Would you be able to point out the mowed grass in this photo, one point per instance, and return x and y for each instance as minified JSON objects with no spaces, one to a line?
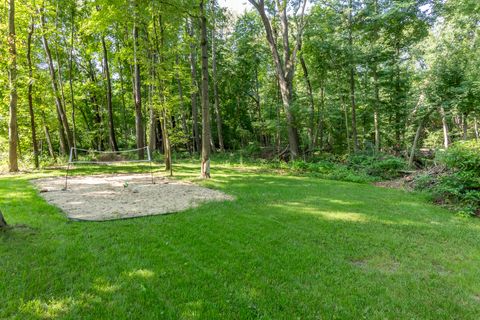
{"x":288,"y":247}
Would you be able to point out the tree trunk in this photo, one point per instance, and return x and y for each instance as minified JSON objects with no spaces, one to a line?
{"x":215,"y":83}
{"x":193,"y":95}
{"x":182,"y":105}
{"x":66,"y":135}
{"x":72,"y":95}
{"x":111,"y":125}
{"x":476,"y":129}
{"x":376,"y":122}
{"x":446,"y":138}
{"x":30,"y":95}
{"x":417,"y":137}
{"x":12,"y":124}
{"x":205,"y":167}
{"x":96,"y":108}
{"x":311,"y":129}
{"x":285,"y":69}
{"x":3,"y":223}
{"x":415,"y":142}
{"x":139,"y":131}
{"x":49,"y":142}
{"x":465,"y":126}
{"x":352,"y":78}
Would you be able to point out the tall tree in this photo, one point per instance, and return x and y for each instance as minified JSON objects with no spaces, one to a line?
{"x":139,"y":130}
{"x":111,"y":125}
{"x":12,"y":124}
{"x":285,"y":68}
{"x":65,"y":133}
{"x":30,"y":93}
{"x":215,"y":80}
{"x":205,"y":165}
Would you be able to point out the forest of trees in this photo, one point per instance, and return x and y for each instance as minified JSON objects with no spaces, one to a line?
{"x":289,"y":78}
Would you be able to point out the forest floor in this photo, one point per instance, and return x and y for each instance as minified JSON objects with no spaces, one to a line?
{"x":287,"y":247}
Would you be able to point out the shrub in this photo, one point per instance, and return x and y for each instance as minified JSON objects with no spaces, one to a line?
{"x":459,"y":184}
{"x":380,"y":165}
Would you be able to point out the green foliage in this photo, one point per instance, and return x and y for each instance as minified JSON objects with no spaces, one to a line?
{"x":380,"y":165}
{"x":459,"y":184}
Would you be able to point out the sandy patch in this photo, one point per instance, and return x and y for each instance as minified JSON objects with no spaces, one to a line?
{"x":109,"y":197}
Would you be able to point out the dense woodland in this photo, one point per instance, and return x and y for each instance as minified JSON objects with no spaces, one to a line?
{"x":286,"y":79}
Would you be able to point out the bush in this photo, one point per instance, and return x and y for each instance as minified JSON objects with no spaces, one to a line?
{"x":383,"y":166}
{"x":459,"y":184}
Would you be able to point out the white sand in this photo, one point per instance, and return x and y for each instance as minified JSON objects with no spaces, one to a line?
{"x":109,"y":197}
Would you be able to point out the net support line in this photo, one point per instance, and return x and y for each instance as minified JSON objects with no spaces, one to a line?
{"x":71,"y":161}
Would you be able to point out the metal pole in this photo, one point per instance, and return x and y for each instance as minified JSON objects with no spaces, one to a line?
{"x":68,"y":168}
{"x":150,"y":160}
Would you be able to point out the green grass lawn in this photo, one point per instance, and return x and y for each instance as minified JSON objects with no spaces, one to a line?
{"x":288,"y":247}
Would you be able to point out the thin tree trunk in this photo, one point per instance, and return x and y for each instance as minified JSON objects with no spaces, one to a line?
{"x":111,"y":125}
{"x":152,"y":137}
{"x":465,"y":126}
{"x":12,"y":124}
{"x":205,"y":166}
{"x":446,"y":138}
{"x":215,"y":83}
{"x":311,"y":128}
{"x":182,"y":104}
{"x":415,"y":142}
{"x":49,"y":142}
{"x":476,"y":129}
{"x":66,"y":135}
{"x":352,"y":78}
{"x":193,"y":95}
{"x":417,"y":137}
{"x":376,"y":122}
{"x":320,"y":124}
{"x":30,"y":94}
{"x":139,"y":131}
{"x":72,"y":95}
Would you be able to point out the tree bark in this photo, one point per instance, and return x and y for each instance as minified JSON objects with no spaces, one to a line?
{"x":215,"y":83}
{"x":194,"y":93}
{"x":182,"y":105}
{"x":111,"y":125}
{"x":139,"y":131}
{"x":65,"y":133}
{"x":352,"y":78}
{"x":476,"y":129}
{"x":49,"y":142}
{"x":311,"y":128}
{"x":446,"y":138}
{"x":72,"y":95}
{"x":205,"y":166}
{"x":12,"y":124}
{"x":284,"y":69}
{"x":30,"y":95}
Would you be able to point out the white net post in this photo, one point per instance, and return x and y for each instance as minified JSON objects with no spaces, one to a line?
{"x":70,"y":158}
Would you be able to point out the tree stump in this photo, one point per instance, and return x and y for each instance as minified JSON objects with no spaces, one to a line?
{"x":3,"y":223}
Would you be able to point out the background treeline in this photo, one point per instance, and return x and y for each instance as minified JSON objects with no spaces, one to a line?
{"x":351,"y":76}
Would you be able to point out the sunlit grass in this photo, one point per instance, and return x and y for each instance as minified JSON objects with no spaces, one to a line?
{"x":287,"y":247}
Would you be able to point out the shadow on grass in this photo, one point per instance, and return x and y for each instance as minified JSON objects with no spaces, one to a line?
{"x":288,"y":247}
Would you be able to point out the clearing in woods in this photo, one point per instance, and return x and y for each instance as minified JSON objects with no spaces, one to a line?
{"x":287,"y":247}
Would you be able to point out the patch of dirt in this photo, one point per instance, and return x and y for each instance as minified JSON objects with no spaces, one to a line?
{"x":405,"y":183}
{"x":110,"y":197}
